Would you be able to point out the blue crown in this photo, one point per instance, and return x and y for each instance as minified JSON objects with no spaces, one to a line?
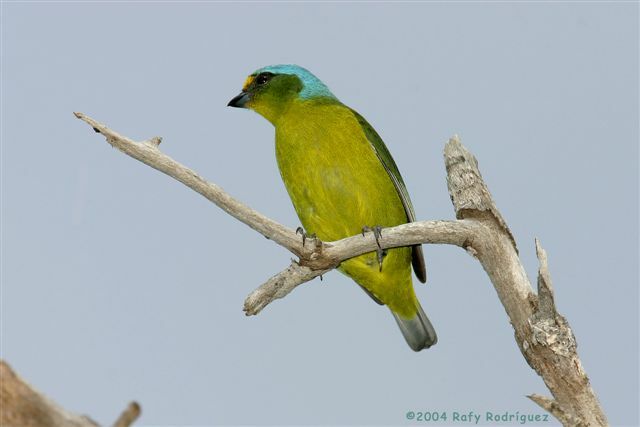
{"x":312,"y":86}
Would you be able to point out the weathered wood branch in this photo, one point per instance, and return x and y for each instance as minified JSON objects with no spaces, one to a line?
{"x":543,"y":335}
{"x":23,"y":406}
{"x":330,"y":255}
{"x":148,"y":153}
{"x":129,"y":415}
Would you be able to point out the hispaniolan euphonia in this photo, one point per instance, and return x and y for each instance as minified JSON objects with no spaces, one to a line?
{"x":342,"y":179}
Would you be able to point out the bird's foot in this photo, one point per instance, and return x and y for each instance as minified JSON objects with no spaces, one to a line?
{"x":377,"y":233}
{"x":306,"y":236}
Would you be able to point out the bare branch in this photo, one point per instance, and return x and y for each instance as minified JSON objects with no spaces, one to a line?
{"x":319,"y":256}
{"x":543,"y":335}
{"x":279,"y":286}
{"x":469,"y":194}
{"x":459,"y":233}
{"x":23,"y":406}
{"x":550,"y":348}
{"x":128,"y":416}
{"x":495,"y":248}
{"x":556,"y":410}
{"x":546,"y":303}
{"x":148,"y":153}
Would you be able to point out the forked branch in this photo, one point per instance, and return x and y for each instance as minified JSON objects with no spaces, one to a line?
{"x":542,"y":334}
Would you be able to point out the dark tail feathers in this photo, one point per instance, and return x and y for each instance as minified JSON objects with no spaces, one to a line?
{"x":417,"y":330}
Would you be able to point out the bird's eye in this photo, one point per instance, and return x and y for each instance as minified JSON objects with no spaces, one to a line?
{"x":263,"y":78}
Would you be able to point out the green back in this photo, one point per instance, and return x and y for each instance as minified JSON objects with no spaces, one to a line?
{"x":392,"y":169}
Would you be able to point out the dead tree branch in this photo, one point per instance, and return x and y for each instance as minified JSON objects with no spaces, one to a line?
{"x":543,"y":336}
{"x":23,"y":406}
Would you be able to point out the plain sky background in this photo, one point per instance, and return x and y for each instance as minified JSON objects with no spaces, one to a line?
{"x":119,"y":283}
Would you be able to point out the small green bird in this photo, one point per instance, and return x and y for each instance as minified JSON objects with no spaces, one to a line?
{"x":342,"y":180}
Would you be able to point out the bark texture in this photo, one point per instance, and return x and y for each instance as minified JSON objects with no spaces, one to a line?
{"x":542,"y":334}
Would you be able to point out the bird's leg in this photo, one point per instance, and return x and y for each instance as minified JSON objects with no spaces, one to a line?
{"x":304,"y":234}
{"x":377,"y":233}
{"x":300,"y":230}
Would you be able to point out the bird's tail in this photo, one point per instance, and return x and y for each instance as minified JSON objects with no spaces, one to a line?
{"x":417,"y":330}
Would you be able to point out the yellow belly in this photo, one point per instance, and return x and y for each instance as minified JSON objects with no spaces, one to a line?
{"x":338,"y":185}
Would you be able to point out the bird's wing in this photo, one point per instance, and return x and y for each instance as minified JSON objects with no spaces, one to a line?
{"x":417,"y":259}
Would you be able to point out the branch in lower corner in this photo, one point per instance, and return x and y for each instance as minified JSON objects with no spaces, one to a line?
{"x":23,"y":405}
{"x":129,"y":415}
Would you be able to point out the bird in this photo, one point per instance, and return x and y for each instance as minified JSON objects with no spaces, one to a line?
{"x":342,"y":181}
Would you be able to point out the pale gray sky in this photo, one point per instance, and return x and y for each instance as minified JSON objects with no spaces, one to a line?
{"x":119,"y":283}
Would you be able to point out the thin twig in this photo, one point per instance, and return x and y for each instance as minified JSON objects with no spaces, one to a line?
{"x":129,"y":415}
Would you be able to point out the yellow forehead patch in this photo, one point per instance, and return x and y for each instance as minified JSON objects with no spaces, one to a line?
{"x":248,"y":82}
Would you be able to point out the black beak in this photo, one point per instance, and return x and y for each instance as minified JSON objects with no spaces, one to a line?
{"x":239,"y":101}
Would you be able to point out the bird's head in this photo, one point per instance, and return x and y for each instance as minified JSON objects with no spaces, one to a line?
{"x":270,"y":90}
